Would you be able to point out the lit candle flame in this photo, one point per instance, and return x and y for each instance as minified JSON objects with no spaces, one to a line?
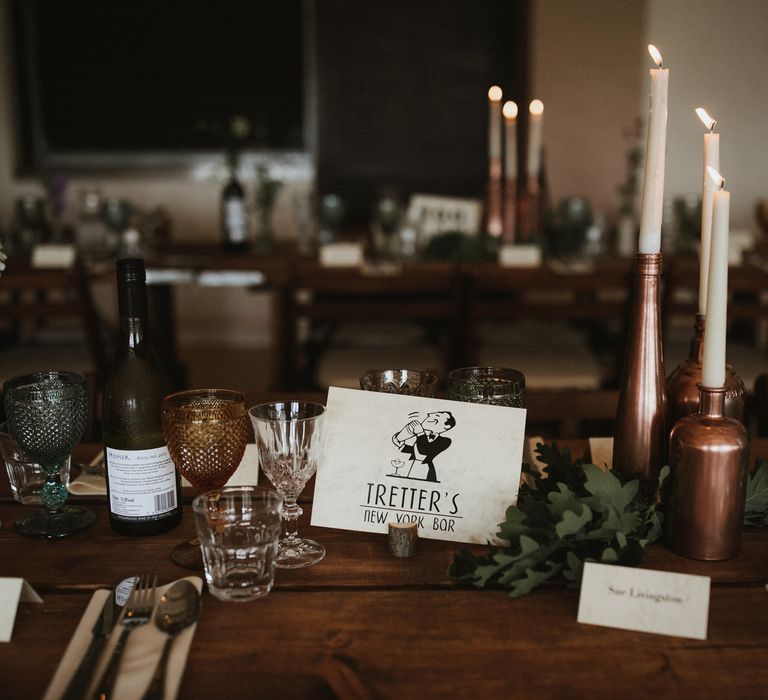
{"x":655,"y":55}
{"x":706,"y":119}
{"x":509,"y":110}
{"x":536,"y":107}
{"x":494,"y":93}
{"x":716,"y":176}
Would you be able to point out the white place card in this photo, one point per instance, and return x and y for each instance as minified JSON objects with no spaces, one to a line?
{"x":601,"y":452}
{"x":451,"y":467}
{"x":520,"y":256}
{"x":53,"y":255}
{"x":12,"y":592}
{"x":643,"y":600}
{"x":341,"y":255}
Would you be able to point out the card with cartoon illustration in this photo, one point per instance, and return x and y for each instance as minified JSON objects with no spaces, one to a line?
{"x":451,"y":467}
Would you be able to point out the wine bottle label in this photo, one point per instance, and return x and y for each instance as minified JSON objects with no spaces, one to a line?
{"x":234,"y":213}
{"x":142,"y":483}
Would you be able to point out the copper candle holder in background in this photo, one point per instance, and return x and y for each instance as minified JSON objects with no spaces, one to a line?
{"x":704,"y":497}
{"x":510,"y":211}
{"x":528,"y":210}
{"x":493,"y":218}
{"x":683,"y":383}
{"x":640,"y":438}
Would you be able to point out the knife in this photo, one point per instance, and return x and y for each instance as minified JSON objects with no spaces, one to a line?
{"x":99,"y":635}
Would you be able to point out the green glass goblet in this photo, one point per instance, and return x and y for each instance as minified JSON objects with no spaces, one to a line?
{"x":46,"y":414}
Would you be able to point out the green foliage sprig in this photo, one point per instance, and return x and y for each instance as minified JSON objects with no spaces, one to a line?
{"x":756,"y":506}
{"x":575,"y":514}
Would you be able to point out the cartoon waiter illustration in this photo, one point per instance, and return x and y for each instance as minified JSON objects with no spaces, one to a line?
{"x":424,"y":441}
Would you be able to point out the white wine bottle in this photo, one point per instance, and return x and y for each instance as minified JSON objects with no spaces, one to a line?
{"x":143,"y":487}
{"x":234,"y":219}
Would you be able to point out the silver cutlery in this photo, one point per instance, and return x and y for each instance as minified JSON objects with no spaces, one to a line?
{"x":102,"y":628}
{"x":138,"y":611}
{"x":178,"y":608}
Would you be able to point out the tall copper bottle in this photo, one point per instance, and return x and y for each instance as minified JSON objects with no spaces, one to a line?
{"x":494,"y":223}
{"x":683,"y":383}
{"x":704,"y":496}
{"x":640,"y":437}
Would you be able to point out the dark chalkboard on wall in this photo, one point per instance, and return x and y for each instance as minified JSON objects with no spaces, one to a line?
{"x":156,"y":75}
{"x":402,"y":88}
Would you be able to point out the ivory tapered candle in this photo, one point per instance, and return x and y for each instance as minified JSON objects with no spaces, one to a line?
{"x":535,"y":123}
{"x":708,"y":187}
{"x":510,"y":140}
{"x":655,"y":151}
{"x":494,"y":122}
{"x":713,"y":357}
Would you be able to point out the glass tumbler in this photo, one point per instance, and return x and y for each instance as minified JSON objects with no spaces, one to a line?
{"x":26,"y":476}
{"x":409,"y":382}
{"x":238,"y":528}
{"x":497,"y":386}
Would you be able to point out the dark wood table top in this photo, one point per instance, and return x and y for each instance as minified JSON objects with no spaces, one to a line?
{"x":362,"y":624}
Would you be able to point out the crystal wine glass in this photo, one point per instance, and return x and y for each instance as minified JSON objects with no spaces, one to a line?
{"x":206,"y":431}
{"x":287,"y":438}
{"x":46,"y":416}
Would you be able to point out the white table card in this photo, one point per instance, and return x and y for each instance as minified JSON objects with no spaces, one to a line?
{"x":12,"y":592}
{"x":644,"y":600}
{"x":53,"y":255}
{"x":451,"y":467}
{"x":520,"y":255}
{"x":341,"y":255}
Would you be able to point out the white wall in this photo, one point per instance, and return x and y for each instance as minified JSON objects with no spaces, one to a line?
{"x":717,"y":54}
{"x":587,"y":68}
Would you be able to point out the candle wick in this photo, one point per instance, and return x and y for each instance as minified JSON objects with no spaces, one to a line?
{"x":712,"y":128}
{"x":722,"y":183}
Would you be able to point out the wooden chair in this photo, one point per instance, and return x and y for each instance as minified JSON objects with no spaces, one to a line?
{"x":423,"y":299}
{"x":566,"y":414}
{"x":33,"y":300}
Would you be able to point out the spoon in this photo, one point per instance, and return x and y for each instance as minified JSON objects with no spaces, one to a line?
{"x":177,"y":609}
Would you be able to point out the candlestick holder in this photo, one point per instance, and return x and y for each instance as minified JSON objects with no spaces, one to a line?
{"x":704,"y":496}
{"x":528,"y":210}
{"x":493,"y":201}
{"x":640,"y":439}
{"x":510,"y":211}
{"x":683,"y":383}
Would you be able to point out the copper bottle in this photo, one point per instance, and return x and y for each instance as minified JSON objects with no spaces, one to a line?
{"x":640,"y":437}
{"x":683,"y":383}
{"x":704,"y":495}
{"x":510,"y":212}
{"x":493,"y":200}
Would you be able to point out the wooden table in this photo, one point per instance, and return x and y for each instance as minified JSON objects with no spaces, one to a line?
{"x":362,"y":624}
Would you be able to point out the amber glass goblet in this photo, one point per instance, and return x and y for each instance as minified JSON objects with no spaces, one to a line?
{"x":206,"y":431}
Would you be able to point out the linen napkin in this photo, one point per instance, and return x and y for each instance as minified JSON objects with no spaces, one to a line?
{"x":140,"y":656}
{"x":247,"y":474}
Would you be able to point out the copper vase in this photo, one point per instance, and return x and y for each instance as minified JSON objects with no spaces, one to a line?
{"x":683,"y":383}
{"x":493,"y":201}
{"x":640,"y":438}
{"x":510,"y":211}
{"x":704,"y":496}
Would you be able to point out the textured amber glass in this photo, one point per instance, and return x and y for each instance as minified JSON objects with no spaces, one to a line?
{"x":206,"y":431}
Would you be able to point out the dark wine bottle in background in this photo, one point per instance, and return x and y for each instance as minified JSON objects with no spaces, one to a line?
{"x":143,"y":487}
{"x":234,"y":222}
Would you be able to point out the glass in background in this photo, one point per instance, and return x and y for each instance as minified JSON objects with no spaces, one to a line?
{"x":91,"y":232}
{"x":331,"y":216}
{"x":387,"y":217}
{"x":409,"y":382}
{"x":25,"y":475}
{"x":496,"y":386}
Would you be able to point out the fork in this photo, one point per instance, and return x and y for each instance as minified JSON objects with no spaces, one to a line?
{"x":138,"y":611}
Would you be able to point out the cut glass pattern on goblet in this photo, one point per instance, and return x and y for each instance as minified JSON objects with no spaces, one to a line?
{"x":46,"y":416}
